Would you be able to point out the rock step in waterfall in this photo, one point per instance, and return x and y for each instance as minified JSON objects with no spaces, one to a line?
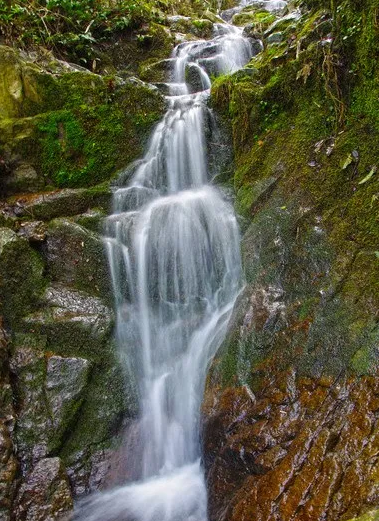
{"x":173,"y":249}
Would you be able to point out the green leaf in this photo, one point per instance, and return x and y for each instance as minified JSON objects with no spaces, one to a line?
{"x":373,"y":171}
{"x":347,"y":162}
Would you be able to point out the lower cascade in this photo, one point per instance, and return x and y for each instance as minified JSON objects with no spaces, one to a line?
{"x":173,"y":249}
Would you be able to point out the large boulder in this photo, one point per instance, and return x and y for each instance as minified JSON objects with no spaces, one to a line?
{"x":75,"y":330}
{"x":50,"y":391}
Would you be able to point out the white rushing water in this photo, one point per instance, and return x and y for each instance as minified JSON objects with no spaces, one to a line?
{"x":173,"y":249}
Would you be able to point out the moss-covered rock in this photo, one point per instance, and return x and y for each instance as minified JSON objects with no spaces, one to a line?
{"x":49,"y":392}
{"x":66,"y":368}
{"x":21,"y":276}
{"x":75,"y":257}
{"x":76,"y":134}
{"x":75,"y":323}
{"x":259,"y":19}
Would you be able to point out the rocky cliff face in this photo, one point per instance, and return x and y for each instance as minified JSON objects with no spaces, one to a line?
{"x":290,"y":411}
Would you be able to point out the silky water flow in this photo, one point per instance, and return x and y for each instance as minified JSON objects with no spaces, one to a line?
{"x":174,"y":256}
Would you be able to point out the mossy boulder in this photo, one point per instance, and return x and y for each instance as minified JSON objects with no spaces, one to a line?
{"x":75,"y":257}
{"x":124,"y":53}
{"x":49,"y":392}
{"x":18,"y":85}
{"x":75,"y":135}
{"x":156,"y":71}
{"x":21,"y":276}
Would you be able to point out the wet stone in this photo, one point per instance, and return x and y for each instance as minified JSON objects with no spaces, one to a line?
{"x":33,"y":231}
{"x":66,"y":378}
{"x":311,"y":450}
{"x":46,"y":494}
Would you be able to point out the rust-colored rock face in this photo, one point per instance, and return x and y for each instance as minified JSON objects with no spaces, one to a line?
{"x":301,"y":449}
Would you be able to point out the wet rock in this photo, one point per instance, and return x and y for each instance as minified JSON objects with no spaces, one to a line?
{"x":274,"y":38}
{"x":59,"y":203}
{"x":75,"y":257}
{"x":194,"y":78}
{"x":278,"y":7}
{"x":300,"y":454}
{"x":46,"y":494}
{"x":164,"y":88}
{"x":256,"y":45}
{"x":66,"y":379}
{"x":33,"y":231}
{"x":89,"y":473}
{"x":228,"y":14}
{"x":21,"y":276}
{"x":23,"y":178}
{"x":49,"y":392}
{"x":75,"y":323}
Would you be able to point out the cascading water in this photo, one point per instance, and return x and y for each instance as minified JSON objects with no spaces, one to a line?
{"x":173,"y":248}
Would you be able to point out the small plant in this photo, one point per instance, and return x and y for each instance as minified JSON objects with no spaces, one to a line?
{"x":73,"y":26}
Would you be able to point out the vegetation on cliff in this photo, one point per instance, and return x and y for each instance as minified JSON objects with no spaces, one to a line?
{"x":304,"y":117}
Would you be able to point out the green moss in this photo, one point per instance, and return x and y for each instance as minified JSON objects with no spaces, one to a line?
{"x":80,"y":138}
{"x":296,"y":119}
{"x":369,"y":516}
{"x":21,"y":276}
{"x":84,"y":143}
{"x":260,"y":20}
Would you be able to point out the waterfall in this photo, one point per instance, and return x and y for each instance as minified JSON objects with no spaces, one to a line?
{"x":173,"y":249}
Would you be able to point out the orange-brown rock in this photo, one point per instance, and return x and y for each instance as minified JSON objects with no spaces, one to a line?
{"x":311,"y":454}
